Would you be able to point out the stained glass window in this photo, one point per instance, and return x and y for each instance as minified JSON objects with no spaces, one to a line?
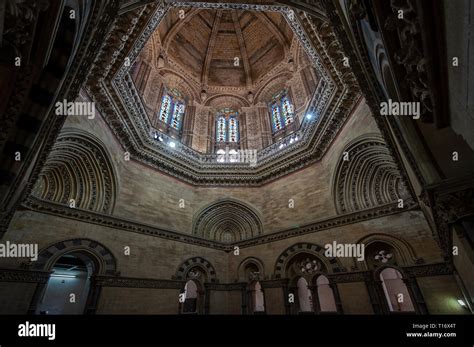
{"x":233,"y":129}
{"x":221,"y":129}
{"x":227,"y":126}
{"x":172,"y":109}
{"x":276,"y":118}
{"x":177,"y":116}
{"x":281,"y":109}
{"x":287,"y":111}
{"x":165,"y":108}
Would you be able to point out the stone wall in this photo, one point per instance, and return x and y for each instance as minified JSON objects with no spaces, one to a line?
{"x":150,"y":197}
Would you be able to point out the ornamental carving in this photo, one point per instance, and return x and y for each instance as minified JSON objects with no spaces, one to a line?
{"x":336,"y":95}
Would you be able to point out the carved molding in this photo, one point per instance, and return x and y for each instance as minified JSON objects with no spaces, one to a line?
{"x":367,"y":177}
{"x":105,"y":261}
{"x":192,"y":267}
{"x":450,"y":200}
{"x":132,"y":282}
{"x":361,"y":276}
{"x":331,"y":264}
{"x":24,"y":276}
{"x":227,"y":221}
{"x":48,"y":207}
{"x":79,"y":168}
{"x":429,"y":270}
{"x":336,"y":96}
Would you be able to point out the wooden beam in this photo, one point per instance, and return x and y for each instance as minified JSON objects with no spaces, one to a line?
{"x":243,"y":49}
{"x":177,"y":27}
{"x":274,"y":30}
{"x":210,"y":48}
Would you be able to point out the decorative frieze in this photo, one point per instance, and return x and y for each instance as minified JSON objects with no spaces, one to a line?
{"x":48,"y":207}
{"x":24,"y":276}
{"x":131,"y":282}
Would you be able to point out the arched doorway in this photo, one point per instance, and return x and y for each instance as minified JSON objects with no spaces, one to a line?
{"x":191,"y":295}
{"x":68,"y":288}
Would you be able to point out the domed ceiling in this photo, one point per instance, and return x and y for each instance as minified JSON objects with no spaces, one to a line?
{"x":218,"y":56}
{"x":225,"y":47}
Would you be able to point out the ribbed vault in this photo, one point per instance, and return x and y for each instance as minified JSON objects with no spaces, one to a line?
{"x":79,"y":169}
{"x":367,"y":176}
{"x":227,"y":221}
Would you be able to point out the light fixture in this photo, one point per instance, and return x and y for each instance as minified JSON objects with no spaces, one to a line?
{"x":461,"y":302}
{"x":172,"y":144}
{"x":64,"y":276}
{"x":292,"y":140}
{"x":281,"y":146}
{"x":309,"y":116}
{"x":156,"y":136}
{"x":160,"y":138}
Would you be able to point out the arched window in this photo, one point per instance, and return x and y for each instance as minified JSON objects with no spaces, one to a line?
{"x":221,"y":129}
{"x":68,"y":287}
{"x":227,"y":126}
{"x":327,"y":303}
{"x":276,"y":119}
{"x":396,"y":292}
{"x":165,"y":108}
{"x":227,"y":136}
{"x":287,"y":110}
{"x":281,"y":110}
{"x":177,"y":116}
{"x":171,"y":111}
{"x":190,"y":297}
{"x":258,"y":303}
{"x":304,"y":296}
{"x":233,"y":129}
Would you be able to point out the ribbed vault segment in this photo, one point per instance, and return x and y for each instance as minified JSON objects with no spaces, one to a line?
{"x":78,"y":168}
{"x":368,"y":177}
{"x":227,"y":221}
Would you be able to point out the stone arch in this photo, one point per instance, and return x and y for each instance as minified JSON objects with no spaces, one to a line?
{"x":406,"y":255}
{"x":104,"y":261}
{"x":247,"y":261}
{"x":227,"y":220}
{"x":172,"y":79}
{"x":369,"y":178}
{"x":182,"y":273}
{"x":79,"y":167}
{"x":225,"y":100}
{"x":332,"y":264}
{"x":272,"y":85}
{"x":28,"y":124}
